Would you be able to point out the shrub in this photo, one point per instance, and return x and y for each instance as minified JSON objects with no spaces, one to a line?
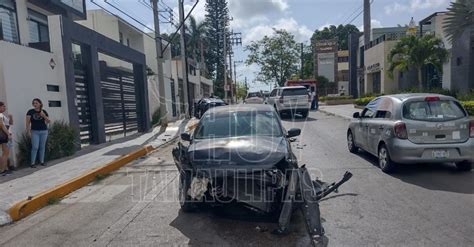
{"x":363,"y":101}
{"x":469,"y":105}
{"x":61,"y":143}
{"x":466,"y":97}
{"x":155,"y":118}
{"x":342,"y":97}
{"x":426,"y":90}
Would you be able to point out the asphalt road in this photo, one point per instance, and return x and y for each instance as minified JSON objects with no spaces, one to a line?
{"x":430,"y":205}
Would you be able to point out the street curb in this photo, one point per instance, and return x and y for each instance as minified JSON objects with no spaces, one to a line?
{"x":332,"y":113}
{"x":30,"y":205}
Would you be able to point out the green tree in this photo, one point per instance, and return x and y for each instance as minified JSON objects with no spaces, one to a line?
{"x":460,"y":17}
{"x":416,"y":52}
{"x":308,"y":62}
{"x":241,"y":91}
{"x":340,"y":33}
{"x":216,"y":23}
{"x":278,"y":57}
{"x":196,"y":39}
{"x":175,"y":46}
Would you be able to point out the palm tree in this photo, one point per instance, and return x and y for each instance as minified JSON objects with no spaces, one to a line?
{"x":460,"y":17}
{"x":416,"y":52}
{"x":196,"y":39}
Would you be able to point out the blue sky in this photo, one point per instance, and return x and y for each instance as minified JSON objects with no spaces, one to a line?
{"x":256,"y":18}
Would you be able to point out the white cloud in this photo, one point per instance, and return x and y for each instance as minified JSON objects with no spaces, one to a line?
{"x":199,"y":12}
{"x":373,"y":24}
{"x":414,"y":5}
{"x":245,"y":9}
{"x":301,"y":32}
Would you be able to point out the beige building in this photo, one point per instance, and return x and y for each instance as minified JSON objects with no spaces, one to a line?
{"x":343,"y":71}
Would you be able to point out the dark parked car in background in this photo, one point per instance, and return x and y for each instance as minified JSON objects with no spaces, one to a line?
{"x":205,"y":104}
{"x":414,"y":128}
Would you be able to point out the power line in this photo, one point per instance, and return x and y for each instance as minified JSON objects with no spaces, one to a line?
{"x":349,"y":16}
{"x":359,"y":14}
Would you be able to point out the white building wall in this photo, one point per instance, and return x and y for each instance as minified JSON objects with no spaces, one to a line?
{"x":25,"y":72}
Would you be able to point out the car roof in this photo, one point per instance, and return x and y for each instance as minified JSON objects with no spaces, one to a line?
{"x":407,"y":96}
{"x":291,"y":87}
{"x":241,"y":107}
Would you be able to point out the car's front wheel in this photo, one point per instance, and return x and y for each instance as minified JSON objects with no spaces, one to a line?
{"x":385,"y":162}
{"x":304,"y":114}
{"x":464,"y":166}
{"x":350,"y":143}
{"x":185,"y":201}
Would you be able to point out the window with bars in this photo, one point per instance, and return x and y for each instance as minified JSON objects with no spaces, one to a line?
{"x":38,"y":25}
{"x":8,"y":21}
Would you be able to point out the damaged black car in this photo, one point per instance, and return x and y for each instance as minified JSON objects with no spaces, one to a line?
{"x":242,"y":154}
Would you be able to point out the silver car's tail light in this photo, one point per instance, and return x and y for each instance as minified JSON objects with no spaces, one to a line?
{"x":471,"y":129}
{"x":400,"y":130}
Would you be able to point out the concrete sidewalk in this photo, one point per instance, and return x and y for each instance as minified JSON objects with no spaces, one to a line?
{"x":344,"y":111}
{"x":21,"y":188}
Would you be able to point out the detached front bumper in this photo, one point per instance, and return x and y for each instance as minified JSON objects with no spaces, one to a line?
{"x":406,"y":152}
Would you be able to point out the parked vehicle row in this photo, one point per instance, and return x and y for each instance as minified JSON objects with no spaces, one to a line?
{"x":414,"y":128}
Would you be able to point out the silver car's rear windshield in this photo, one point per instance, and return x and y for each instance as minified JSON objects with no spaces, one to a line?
{"x":238,"y":123}
{"x":295,"y":92}
{"x":433,"y":111}
{"x":254,"y":95}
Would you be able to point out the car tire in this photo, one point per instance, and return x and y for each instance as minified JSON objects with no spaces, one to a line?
{"x":304,"y":114}
{"x":464,"y":166}
{"x":185,"y":201}
{"x":385,"y":162}
{"x":350,"y":143}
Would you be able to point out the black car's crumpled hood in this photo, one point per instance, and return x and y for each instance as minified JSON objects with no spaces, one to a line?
{"x":260,"y":152}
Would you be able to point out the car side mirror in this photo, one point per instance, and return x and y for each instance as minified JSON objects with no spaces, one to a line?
{"x":185,"y":137}
{"x":356,"y":115}
{"x":293,"y":132}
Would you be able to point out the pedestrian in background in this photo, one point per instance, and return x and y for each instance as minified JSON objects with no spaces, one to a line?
{"x":37,"y":120}
{"x":7,"y":120}
{"x":313,"y":98}
{"x":5,"y":138}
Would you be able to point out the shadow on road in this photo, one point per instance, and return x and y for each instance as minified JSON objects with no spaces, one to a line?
{"x":297,"y":119}
{"x":233,"y":226}
{"x":443,"y":177}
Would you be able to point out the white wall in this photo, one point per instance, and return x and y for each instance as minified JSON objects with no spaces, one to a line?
{"x":25,"y":73}
{"x":102,"y":23}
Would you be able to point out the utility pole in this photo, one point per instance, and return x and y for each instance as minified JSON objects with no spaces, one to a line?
{"x":225,"y":66}
{"x":159,"y":61}
{"x":302,"y":61}
{"x":231,"y":88}
{"x":366,"y":22}
{"x":184,"y":62}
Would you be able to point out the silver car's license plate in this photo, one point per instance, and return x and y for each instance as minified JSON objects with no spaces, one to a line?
{"x":440,"y":154}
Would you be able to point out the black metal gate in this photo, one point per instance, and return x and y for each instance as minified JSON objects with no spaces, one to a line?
{"x":120,"y":103}
{"x":173,"y":99}
{"x":82,"y":95}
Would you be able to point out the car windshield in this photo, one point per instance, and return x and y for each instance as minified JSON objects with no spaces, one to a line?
{"x":257,"y":94}
{"x":433,"y":111}
{"x":238,"y":123}
{"x":295,"y":92}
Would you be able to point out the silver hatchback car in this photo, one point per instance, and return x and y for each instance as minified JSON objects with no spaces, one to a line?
{"x":414,"y":128}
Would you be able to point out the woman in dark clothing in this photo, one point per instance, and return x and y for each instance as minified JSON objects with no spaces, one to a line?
{"x":37,"y":121}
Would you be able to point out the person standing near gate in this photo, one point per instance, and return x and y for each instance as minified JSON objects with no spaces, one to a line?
{"x":37,"y":121}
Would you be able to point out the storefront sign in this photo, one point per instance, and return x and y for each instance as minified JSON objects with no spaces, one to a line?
{"x":373,"y":68}
{"x":325,"y":46}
